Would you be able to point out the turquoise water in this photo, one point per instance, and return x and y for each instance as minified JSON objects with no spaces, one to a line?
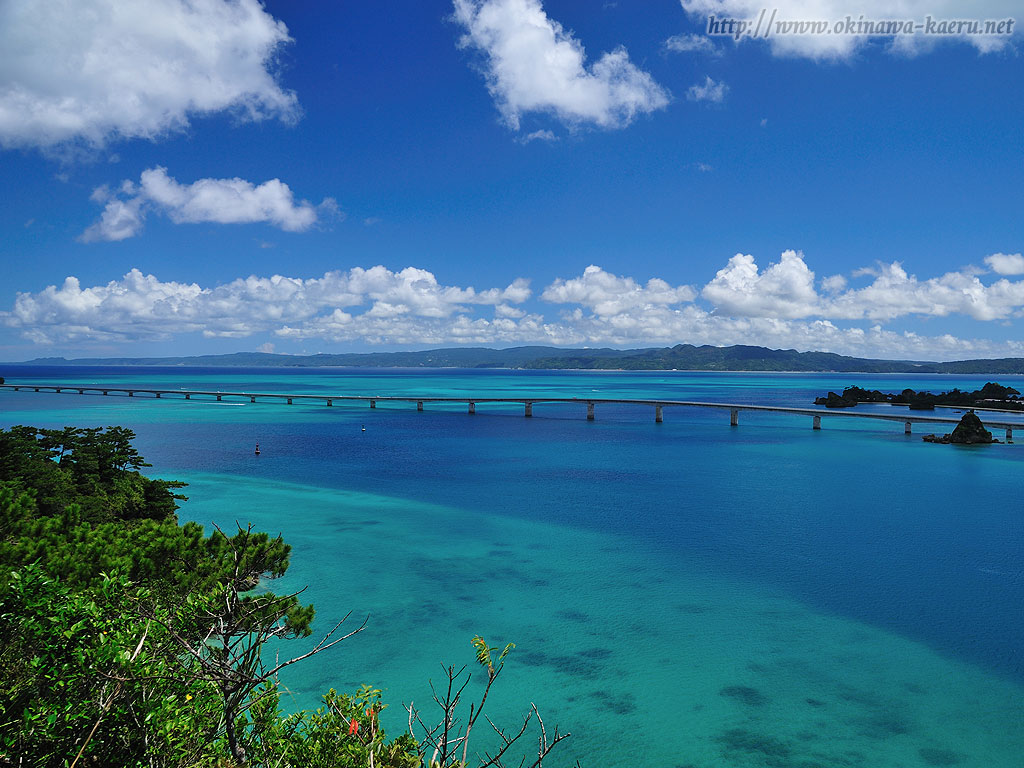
{"x":682,"y":594}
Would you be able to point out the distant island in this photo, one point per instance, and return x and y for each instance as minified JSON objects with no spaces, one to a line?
{"x":680,"y":357}
{"x":992,"y":395}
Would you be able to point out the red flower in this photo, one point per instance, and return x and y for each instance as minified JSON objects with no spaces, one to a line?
{"x":353,"y":727}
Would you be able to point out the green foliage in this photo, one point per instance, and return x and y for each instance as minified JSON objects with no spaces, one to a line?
{"x":81,"y":663}
{"x":74,"y":501}
{"x":79,"y":552}
{"x":15,"y":506}
{"x":485,"y":655}
{"x":74,"y":508}
{"x":98,"y":469}
{"x":129,"y":640}
{"x":103,"y":671}
{"x":343,"y":733}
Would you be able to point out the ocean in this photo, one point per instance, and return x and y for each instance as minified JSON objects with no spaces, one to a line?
{"x":681,"y":595}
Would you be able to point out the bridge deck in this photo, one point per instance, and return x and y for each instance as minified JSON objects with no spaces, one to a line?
{"x":528,"y":401}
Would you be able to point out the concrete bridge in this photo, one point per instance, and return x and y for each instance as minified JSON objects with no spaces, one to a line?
{"x":591,"y":404}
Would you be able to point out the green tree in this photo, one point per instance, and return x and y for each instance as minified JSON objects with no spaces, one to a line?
{"x":98,"y":469}
{"x":85,"y":678}
{"x":127,"y":639}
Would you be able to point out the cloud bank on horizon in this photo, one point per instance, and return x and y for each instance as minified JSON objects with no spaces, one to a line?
{"x":781,"y":305}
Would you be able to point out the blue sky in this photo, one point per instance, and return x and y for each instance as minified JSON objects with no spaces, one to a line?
{"x":298,"y":177}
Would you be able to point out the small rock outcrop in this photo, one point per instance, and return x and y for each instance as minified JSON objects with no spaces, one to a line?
{"x":833,"y":400}
{"x":970,"y":431}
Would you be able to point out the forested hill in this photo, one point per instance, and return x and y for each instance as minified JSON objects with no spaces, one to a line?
{"x":735,"y":358}
{"x":750,"y":358}
{"x":680,"y":357}
{"x":454,"y":357}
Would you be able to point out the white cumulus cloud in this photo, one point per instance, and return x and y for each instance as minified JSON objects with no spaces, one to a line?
{"x":534,"y":65}
{"x":609,"y":295}
{"x":142,"y":307}
{"x":90,"y":71}
{"x":691,"y":44}
{"x":541,"y":135}
{"x":895,"y":293}
{"x":1006,"y":263}
{"x":221,"y":201}
{"x":785,"y":289}
{"x":710,"y":90}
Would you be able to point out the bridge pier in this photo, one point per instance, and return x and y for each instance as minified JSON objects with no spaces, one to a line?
{"x":419,"y":405}
{"x":57,"y":389}
{"x":219,"y":398}
{"x":289,"y":401}
{"x":907,"y":427}
{"x":529,"y":410}
{"x":734,"y":417}
{"x":1009,"y":434}
{"x":188,"y":395}
{"x":373,"y":403}
{"x":590,"y":411}
{"x":157,"y":395}
{"x":658,"y":414}
{"x":81,"y":391}
{"x":252,"y":399}
{"x":817,"y":423}
{"x":329,"y":401}
{"x":37,"y":389}
{"x":472,"y":407}
{"x":104,"y":391}
{"x":131,"y":393}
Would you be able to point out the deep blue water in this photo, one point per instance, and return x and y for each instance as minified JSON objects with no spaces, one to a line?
{"x":856,"y":524}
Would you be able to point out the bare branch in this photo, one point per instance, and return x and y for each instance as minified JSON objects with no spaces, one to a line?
{"x":495,"y":760}
{"x":319,"y":647}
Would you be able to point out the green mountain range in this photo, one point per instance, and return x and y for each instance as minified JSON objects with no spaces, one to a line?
{"x":679,"y":357}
